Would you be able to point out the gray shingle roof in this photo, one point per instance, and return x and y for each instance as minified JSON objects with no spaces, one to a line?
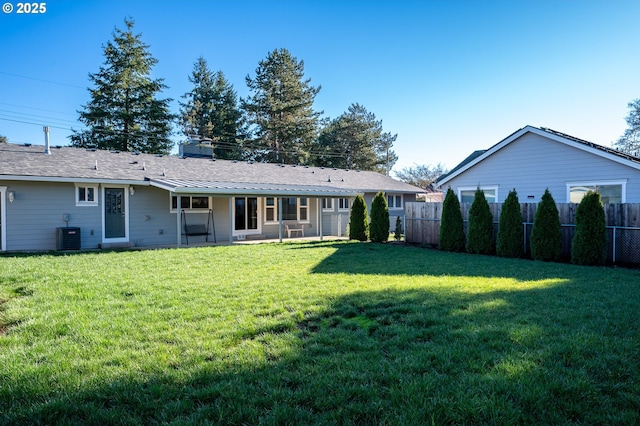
{"x":75,"y":164}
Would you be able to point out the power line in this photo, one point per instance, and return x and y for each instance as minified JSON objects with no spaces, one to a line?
{"x":42,"y":80}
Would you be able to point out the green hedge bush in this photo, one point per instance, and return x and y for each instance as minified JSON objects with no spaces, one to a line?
{"x":480,"y":231}
{"x":379,"y":226}
{"x":589,"y":245}
{"x":510,"y":240}
{"x":358,"y":221}
{"x":546,"y":235}
{"x":451,"y":226}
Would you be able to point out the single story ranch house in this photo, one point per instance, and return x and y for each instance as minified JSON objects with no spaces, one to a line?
{"x":72,"y":198}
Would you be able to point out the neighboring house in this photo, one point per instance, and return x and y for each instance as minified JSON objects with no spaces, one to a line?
{"x":142,"y":200}
{"x":533,"y":159}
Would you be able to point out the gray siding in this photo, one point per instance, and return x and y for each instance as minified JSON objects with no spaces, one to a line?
{"x":38,"y":210}
{"x":532,"y":163}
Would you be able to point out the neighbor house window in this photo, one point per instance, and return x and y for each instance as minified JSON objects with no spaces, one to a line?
{"x":292,"y":209}
{"x":190,"y":203}
{"x":394,"y":201}
{"x":610,"y":191}
{"x":86,"y":195}
{"x":327,"y":204}
{"x":343,"y":204}
{"x":466,"y":195}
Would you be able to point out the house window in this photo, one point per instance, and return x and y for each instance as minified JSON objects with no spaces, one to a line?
{"x":610,"y":192}
{"x":394,"y":201}
{"x":466,"y":195}
{"x":292,"y":209}
{"x":270,"y":209}
{"x":86,"y":195}
{"x":190,"y":203}
{"x":327,"y":204}
{"x":343,"y":204}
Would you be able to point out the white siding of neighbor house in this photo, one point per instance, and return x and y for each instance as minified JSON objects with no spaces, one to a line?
{"x":533,"y":162}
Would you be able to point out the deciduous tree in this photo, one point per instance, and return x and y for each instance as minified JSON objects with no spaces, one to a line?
{"x":629,"y":142}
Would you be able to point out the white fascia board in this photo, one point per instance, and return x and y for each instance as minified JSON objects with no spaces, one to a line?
{"x":74,"y":180}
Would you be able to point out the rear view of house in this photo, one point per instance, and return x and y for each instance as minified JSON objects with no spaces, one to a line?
{"x":99,"y":199}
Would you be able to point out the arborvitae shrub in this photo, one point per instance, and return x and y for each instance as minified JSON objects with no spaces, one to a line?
{"x":451,"y":226}
{"x":379,"y":226}
{"x":589,"y":245}
{"x":546,"y":235}
{"x":398,"y":232}
{"x":510,"y":241}
{"x":358,"y":221}
{"x":480,"y":231}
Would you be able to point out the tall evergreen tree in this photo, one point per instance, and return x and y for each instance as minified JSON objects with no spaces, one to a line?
{"x":280,"y":111}
{"x":358,"y":221}
{"x":510,"y":241}
{"x":379,"y":226}
{"x":124,"y":112}
{"x":589,"y":245}
{"x":211,"y":111}
{"x":546,"y":235}
{"x":629,"y":142}
{"x":451,"y":224}
{"x":480,"y":231}
{"x":356,"y":140}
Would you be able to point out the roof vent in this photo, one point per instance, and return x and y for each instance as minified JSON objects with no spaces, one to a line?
{"x":27,"y":144}
{"x":115,"y":151}
{"x":159,"y":155}
{"x":329,"y":180}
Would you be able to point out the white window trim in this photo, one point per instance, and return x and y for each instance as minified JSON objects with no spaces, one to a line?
{"x":236,"y":232}
{"x":189,"y":210}
{"x":344,"y":209}
{"x":80,"y":203}
{"x":474,"y":188}
{"x":595,"y":183}
{"x":330,"y":208}
{"x":395,"y":195}
{"x":277,"y":216}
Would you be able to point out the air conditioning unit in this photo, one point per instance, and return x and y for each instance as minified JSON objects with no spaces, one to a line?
{"x":68,"y":238}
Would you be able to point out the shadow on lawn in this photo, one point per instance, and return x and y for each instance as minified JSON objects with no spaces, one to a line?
{"x":388,"y":357}
{"x":393,"y":259}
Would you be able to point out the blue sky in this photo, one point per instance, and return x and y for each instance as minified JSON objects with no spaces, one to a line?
{"x":448,"y":77}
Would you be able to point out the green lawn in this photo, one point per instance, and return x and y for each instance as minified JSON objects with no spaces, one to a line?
{"x":316,"y":333}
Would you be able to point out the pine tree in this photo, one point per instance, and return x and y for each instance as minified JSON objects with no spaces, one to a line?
{"x":379,"y":227}
{"x":124,"y":112}
{"x":211,"y":111}
{"x":451,"y":224}
{"x":589,"y":245}
{"x":280,"y":112}
{"x":546,"y":236}
{"x":510,"y":241}
{"x":358,"y":221}
{"x":480,"y":231}
{"x":356,"y":140}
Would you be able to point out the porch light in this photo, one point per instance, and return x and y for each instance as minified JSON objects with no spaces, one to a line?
{"x":11,"y":196}
{"x":132,"y":191}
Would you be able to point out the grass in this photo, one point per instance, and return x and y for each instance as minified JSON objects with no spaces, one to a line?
{"x":315,"y":333}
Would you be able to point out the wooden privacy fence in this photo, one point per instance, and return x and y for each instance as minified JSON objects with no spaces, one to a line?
{"x":422,"y":226}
